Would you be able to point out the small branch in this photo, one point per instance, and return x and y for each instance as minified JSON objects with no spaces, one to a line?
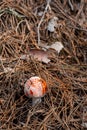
{"x":70,"y":4}
{"x":38,"y":28}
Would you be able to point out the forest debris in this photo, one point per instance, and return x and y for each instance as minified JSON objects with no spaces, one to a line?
{"x":52,"y":24}
{"x":84,"y":121}
{"x":40,"y":55}
{"x":1,"y":101}
{"x":58,"y":46}
{"x":71,"y":5}
{"x":12,"y":11}
{"x":45,"y":11}
{"x":65,"y":75}
{"x":40,"y":13}
{"x":8,"y":69}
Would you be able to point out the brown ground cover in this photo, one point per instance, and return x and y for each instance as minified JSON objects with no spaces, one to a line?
{"x":65,"y":105}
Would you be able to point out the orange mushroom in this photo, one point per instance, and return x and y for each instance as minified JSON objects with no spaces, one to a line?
{"x":35,"y":88}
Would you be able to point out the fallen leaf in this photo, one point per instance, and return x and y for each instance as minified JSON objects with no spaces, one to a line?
{"x":58,"y":46}
{"x":40,"y":55}
{"x":52,"y":24}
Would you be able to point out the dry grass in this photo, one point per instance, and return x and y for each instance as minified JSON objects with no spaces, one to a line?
{"x":66,"y":74}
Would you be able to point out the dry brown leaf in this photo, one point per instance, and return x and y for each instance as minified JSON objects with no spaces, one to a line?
{"x":58,"y":46}
{"x":40,"y":55}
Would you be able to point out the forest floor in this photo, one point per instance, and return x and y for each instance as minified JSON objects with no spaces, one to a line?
{"x":24,"y":26}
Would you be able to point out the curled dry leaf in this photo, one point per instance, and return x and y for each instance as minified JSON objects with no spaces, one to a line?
{"x":40,"y":55}
{"x":58,"y":46}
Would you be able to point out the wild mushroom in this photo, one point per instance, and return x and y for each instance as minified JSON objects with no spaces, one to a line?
{"x":36,"y":88}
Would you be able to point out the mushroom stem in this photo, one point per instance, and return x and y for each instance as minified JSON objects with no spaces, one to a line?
{"x":36,"y":101}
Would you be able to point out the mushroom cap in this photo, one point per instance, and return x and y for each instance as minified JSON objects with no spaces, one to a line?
{"x":35,"y":87}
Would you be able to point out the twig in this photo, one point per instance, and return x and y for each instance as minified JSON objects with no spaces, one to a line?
{"x":2,"y":64}
{"x":12,"y":11}
{"x":70,"y":4}
{"x":38,"y":28}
